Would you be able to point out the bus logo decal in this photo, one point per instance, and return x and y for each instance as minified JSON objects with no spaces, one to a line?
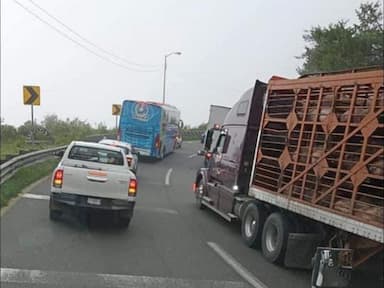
{"x":140,"y":111}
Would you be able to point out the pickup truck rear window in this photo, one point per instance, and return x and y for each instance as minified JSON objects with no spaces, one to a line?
{"x":125,"y":149}
{"x":97,"y":155}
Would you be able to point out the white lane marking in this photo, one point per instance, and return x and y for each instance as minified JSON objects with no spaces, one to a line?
{"x":240,"y":269}
{"x":77,"y":279}
{"x":168,"y":176}
{"x":193,"y":155}
{"x":35,"y":196}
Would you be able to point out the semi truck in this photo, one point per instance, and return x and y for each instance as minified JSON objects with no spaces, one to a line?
{"x":299,"y":162}
{"x":216,"y":118}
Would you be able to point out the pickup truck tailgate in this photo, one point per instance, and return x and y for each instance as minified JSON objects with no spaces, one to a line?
{"x":96,"y":180}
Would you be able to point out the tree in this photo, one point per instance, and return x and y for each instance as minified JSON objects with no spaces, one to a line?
{"x":341,"y":46}
{"x":8,"y":133}
{"x":202,"y":126}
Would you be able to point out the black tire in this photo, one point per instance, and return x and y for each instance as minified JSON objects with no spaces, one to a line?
{"x":252,"y":223}
{"x":162,"y":153}
{"x":199,"y":194}
{"x":54,"y":214}
{"x":275,"y":237}
{"x":124,"y":222}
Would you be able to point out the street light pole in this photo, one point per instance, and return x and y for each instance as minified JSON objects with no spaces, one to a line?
{"x":165,"y":71}
{"x":164,"y":77}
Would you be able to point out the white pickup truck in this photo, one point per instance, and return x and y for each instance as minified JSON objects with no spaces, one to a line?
{"x":93,"y":176}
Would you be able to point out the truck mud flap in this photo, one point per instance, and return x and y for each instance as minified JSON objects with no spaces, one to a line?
{"x":301,"y":248}
{"x":332,"y":268}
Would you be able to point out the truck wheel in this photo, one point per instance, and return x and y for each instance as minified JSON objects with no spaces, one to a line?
{"x":252,"y":224}
{"x":54,"y":214}
{"x":275,"y":237}
{"x":124,"y":222}
{"x":199,"y":194}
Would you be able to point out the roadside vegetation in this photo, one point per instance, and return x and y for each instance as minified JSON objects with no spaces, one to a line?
{"x":24,"y":177}
{"x":53,"y":132}
{"x":50,"y":132}
{"x":341,"y":45}
{"x":193,"y":133}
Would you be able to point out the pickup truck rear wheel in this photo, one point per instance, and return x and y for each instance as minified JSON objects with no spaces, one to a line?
{"x":124,"y":222}
{"x":54,"y":214}
{"x":275,"y":237}
{"x":252,"y":224}
{"x":123,"y":218}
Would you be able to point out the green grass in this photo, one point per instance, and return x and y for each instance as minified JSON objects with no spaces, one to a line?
{"x":23,"y":178}
{"x":14,"y":148}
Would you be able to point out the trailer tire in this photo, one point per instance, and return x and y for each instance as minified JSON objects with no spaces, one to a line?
{"x":275,"y":236}
{"x":252,"y":224}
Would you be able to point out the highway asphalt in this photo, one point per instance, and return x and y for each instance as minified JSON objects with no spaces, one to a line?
{"x":169,"y":243}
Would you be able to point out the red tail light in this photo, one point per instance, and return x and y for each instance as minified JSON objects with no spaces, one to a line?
{"x":58,"y":178}
{"x":194,"y":187}
{"x":132,"y":189}
{"x":157,"y":141}
{"x":129,"y":160}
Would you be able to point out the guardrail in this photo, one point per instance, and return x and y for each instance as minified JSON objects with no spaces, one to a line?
{"x":194,"y":134}
{"x":8,"y":168}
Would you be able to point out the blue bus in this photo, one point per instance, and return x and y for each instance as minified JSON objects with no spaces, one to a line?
{"x":150,"y":127}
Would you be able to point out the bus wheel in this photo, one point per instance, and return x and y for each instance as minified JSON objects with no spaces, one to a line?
{"x":252,"y":224}
{"x":275,"y":237}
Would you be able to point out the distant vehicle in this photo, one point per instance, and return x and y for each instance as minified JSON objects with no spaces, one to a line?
{"x":179,"y":141}
{"x":216,"y":118}
{"x":150,"y":127}
{"x":299,"y":162}
{"x":93,"y":176}
{"x":129,"y":151}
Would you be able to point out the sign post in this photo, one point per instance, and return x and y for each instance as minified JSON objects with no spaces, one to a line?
{"x":31,"y":96}
{"x":116,"y":110}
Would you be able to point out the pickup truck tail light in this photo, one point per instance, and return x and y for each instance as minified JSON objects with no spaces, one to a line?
{"x":132,"y":187}
{"x":58,"y":178}
{"x":129,"y":160}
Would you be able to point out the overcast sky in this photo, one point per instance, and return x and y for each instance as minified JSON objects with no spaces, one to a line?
{"x":226,"y":46}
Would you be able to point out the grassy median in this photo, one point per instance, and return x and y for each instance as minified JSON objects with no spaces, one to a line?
{"x":23,"y":178}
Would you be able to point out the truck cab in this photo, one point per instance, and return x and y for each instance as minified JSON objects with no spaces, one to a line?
{"x":228,"y":170}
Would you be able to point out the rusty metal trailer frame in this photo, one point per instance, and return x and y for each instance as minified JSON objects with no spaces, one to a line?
{"x":305,"y":123}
